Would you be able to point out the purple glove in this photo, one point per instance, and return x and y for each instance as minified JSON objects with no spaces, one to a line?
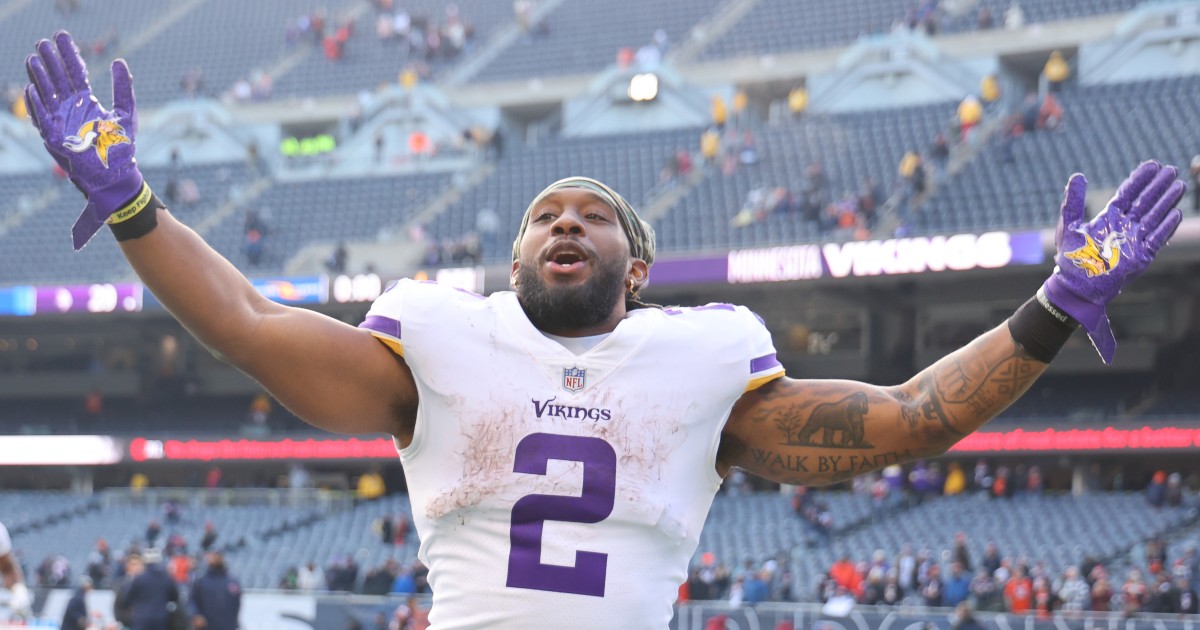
{"x":1095,"y":259}
{"x":93,"y":145}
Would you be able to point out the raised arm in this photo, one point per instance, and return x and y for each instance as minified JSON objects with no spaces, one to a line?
{"x":332,"y":375}
{"x":820,"y":432}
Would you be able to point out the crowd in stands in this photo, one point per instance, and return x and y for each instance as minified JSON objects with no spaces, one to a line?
{"x":995,"y":582}
{"x":1020,"y":585}
{"x":420,"y":37}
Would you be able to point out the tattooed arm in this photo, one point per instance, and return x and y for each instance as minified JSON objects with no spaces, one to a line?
{"x":819,"y":432}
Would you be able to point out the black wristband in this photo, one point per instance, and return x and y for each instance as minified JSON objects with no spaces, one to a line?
{"x":1040,"y":328}
{"x":139,"y":224}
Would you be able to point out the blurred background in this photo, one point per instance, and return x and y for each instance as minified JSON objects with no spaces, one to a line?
{"x":878,"y":179}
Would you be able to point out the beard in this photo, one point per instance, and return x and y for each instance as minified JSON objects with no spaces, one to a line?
{"x":557,"y":308}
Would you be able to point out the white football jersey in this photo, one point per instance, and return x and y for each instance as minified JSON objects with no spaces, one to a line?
{"x":555,"y":490}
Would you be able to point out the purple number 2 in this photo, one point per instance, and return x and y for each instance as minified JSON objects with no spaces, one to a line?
{"x":530,"y":513}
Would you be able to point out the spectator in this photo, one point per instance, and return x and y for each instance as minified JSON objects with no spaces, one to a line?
{"x":970,"y":112}
{"x":756,"y":587}
{"x":210,"y":537}
{"x":1018,"y":593}
{"x":985,"y":20}
{"x":1014,"y":16}
{"x":1056,"y":71}
{"x":336,"y":263}
{"x":1156,"y":492}
{"x":151,"y":597}
{"x":1102,"y":593}
{"x":991,"y":557}
{"x":153,"y":530}
{"x":957,"y":587}
{"x":1050,"y":114}
{"x":403,"y":583}
{"x":956,"y":482}
{"x":1074,"y":592}
{"x":797,"y":100}
{"x":720,"y":112}
{"x":846,"y":575}
{"x":99,"y":563}
{"x":192,"y":82}
{"x":1163,"y":598}
{"x":371,"y":486}
{"x":181,"y":567}
{"x":1174,"y":491}
{"x":216,"y":598}
{"x":985,"y":592}
{"x":906,"y":568}
{"x":932,"y":590}
{"x":212,"y":479}
{"x":523,"y":10}
{"x":1134,"y":593}
{"x":259,"y":413}
{"x":893,"y":594}
{"x":400,"y":530}
{"x":964,"y":617}
{"x":1186,"y":602}
{"x":989,"y":90}
{"x":77,"y":617}
{"x":310,"y":578}
{"x":710,"y":145}
{"x":254,"y":247}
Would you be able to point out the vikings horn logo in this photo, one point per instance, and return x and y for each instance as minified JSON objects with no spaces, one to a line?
{"x":1098,"y":260}
{"x":98,"y":134}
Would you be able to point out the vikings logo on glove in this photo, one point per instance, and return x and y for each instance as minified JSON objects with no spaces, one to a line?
{"x":1098,"y":260}
{"x":98,"y":134}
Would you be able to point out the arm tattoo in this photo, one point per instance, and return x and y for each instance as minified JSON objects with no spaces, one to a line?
{"x":960,"y":393}
{"x":829,"y":431}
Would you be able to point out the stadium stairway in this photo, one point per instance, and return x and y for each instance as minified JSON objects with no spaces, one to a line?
{"x":464,"y":71}
{"x":960,"y":157}
{"x":723,"y":18}
{"x":293,"y":59}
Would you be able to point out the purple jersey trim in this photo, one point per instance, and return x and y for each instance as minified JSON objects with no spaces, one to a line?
{"x":383,"y":325}
{"x":764,"y":362}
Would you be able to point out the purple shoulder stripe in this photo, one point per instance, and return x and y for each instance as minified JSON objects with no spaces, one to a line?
{"x":715,"y":306}
{"x":764,"y":362}
{"x":383,"y":325}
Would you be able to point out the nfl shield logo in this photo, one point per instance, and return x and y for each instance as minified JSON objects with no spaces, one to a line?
{"x":573,"y":379}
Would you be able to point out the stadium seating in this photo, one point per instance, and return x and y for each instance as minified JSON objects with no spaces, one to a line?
{"x":778,"y":26}
{"x":298,"y":213}
{"x":584,"y":37}
{"x":93,"y":22}
{"x":1058,"y":530}
{"x":849,"y":146}
{"x":369,"y":61}
{"x":25,"y":510}
{"x":1106,"y":130}
{"x":763,"y":525}
{"x":630,"y":163}
{"x":39,"y":251}
{"x":340,"y":534}
{"x":1092,"y":399}
{"x":122,"y":524}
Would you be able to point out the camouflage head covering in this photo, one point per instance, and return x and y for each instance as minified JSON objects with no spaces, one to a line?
{"x":639,"y":233}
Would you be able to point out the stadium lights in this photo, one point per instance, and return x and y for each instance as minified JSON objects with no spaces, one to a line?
{"x":643,"y":87}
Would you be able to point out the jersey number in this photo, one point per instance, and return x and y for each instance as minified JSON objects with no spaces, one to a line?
{"x":530,"y":513}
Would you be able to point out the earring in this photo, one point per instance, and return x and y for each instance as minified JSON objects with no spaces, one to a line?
{"x":629,"y":285}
